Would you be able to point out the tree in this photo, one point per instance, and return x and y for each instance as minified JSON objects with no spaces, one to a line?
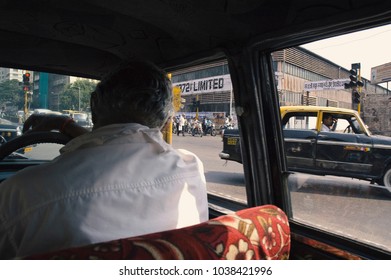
{"x":11,"y":94}
{"x":69,"y":98}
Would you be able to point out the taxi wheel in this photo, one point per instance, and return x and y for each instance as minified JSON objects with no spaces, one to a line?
{"x":387,"y":177}
{"x":32,"y":138}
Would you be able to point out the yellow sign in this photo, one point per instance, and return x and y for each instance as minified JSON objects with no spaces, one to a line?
{"x":232,"y":141}
{"x":28,"y":149}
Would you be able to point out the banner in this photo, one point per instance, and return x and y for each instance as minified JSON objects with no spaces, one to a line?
{"x":326,"y":85}
{"x":205,"y":85}
{"x":381,"y":74}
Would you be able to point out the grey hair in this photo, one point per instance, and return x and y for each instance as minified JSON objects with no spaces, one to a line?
{"x":139,"y":92}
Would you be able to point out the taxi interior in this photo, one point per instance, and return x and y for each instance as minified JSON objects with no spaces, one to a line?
{"x":88,"y":38}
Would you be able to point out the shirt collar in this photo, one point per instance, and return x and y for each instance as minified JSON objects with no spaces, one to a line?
{"x":118,"y":134}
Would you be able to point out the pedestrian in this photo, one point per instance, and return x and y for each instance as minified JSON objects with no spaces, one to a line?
{"x":181,"y":125}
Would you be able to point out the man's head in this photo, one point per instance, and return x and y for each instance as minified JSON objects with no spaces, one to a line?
{"x":327,"y":119}
{"x":138,"y":92}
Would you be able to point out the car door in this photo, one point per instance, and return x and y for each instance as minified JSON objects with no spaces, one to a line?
{"x":299,"y":130}
{"x":345,"y":150}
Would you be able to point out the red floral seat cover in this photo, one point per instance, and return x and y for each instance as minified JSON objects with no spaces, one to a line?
{"x":254,"y":233}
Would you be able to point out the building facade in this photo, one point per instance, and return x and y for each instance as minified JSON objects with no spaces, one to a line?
{"x":49,"y":87}
{"x":302,"y":78}
{"x":210,"y":85}
{"x":298,"y":67}
{"x":7,"y":74}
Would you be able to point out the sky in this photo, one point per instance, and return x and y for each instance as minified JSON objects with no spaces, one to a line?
{"x":371,"y":48}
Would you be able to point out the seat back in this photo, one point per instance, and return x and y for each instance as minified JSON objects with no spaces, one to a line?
{"x":254,"y":233}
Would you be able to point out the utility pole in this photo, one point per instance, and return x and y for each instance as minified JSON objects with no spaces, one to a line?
{"x":79,"y":95}
{"x":79,"y":98}
{"x":198,"y":104}
{"x":26,"y":91}
{"x":359,"y":86}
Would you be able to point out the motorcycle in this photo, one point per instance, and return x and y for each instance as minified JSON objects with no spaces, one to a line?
{"x":210,"y":129}
{"x":196,"y":129}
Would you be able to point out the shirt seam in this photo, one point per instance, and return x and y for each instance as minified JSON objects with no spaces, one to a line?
{"x":7,"y":225}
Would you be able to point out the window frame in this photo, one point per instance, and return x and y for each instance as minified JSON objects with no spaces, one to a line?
{"x":264,"y":161}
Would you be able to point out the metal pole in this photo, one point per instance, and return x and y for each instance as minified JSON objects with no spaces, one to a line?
{"x":197,"y":107}
{"x":359,"y":91}
{"x":230,"y":101}
{"x":25,"y":105}
{"x":79,"y":98}
{"x":58,"y":99}
{"x":167,"y":129}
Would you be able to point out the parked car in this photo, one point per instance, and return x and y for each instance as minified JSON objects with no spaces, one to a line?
{"x":82,"y":119}
{"x":9,"y":130}
{"x":348,"y":150}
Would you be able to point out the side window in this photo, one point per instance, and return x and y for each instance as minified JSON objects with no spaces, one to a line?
{"x":343,"y":126}
{"x":356,"y":126}
{"x":345,"y":123}
{"x":207,"y":110}
{"x":300,"y":121}
{"x":346,"y":191}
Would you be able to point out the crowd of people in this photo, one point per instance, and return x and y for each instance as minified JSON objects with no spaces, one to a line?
{"x":183,"y":125}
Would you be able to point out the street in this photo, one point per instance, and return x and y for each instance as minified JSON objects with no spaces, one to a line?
{"x":342,"y":205}
{"x":223,"y":178}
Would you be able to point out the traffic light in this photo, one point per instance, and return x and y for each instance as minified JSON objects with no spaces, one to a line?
{"x":354,"y":81}
{"x":355,"y":84}
{"x":356,"y":96}
{"x":26,"y":78}
{"x":26,"y":82}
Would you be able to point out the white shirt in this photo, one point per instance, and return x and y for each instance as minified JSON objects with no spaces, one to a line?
{"x":181,"y":121}
{"x":117,"y":181}
{"x":324,"y":127}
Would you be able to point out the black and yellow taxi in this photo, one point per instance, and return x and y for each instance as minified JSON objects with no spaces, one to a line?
{"x":347,"y":149}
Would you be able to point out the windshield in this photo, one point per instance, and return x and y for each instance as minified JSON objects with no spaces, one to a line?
{"x":24,"y":92}
{"x":356,"y":126}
